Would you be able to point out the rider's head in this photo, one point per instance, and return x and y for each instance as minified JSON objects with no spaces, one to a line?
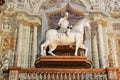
{"x":66,"y":14}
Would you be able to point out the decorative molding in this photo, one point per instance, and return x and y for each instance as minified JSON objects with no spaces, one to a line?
{"x":110,"y":56}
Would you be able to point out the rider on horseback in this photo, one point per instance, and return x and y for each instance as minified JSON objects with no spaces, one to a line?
{"x":64,"y":24}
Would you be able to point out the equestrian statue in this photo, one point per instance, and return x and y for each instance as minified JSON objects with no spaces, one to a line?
{"x":73,"y":36}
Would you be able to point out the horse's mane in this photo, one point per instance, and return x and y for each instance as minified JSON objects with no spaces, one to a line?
{"x":76,"y":27}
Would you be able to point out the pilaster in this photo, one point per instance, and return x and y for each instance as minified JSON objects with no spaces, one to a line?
{"x":101,"y":48}
{"x":95,"y":47}
{"x":19,"y":45}
{"x":23,"y":41}
{"x":27,"y":40}
{"x":34,"y":46}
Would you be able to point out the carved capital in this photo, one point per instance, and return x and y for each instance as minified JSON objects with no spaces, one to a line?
{"x":93,"y":24}
{"x":26,"y":23}
{"x":31,"y":22}
{"x":101,"y":22}
{"x":35,"y":22}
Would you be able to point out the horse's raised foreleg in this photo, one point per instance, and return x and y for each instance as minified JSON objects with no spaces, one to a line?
{"x":44,"y":47}
{"x":52,"y":47}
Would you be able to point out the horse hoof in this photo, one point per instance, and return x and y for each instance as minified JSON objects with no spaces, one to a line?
{"x":43,"y":54}
{"x":52,"y":54}
{"x":75,"y":55}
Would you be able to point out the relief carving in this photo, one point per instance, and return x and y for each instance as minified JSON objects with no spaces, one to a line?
{"x":110,"y":56}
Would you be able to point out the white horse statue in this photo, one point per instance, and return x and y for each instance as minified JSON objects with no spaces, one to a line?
{"x":53,"y":38}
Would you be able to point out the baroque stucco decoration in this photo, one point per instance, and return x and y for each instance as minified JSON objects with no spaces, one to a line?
{"x":108,"y":7}
{"x":39,"y":9}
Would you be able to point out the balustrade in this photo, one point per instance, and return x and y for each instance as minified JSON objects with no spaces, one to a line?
{"x":17,"y":73}
{"x":58,"y":74}
{"x":62,"y":76}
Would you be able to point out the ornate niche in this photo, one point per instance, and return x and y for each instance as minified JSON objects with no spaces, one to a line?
{"x":64,"y":54}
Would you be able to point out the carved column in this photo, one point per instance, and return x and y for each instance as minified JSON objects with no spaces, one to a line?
{"x":34,"y":51}
{"x":23,"y":42}
{"x":113,"y":58}
{"x":115,"y":53}
{"x":105,"y":36}
{"x":26,"y":43}
{"x":19,"y":45}
{"x":94,"y":45}
{"x":102,"y":54}
{"x":35,"y":23}
{"x":110,"y":56}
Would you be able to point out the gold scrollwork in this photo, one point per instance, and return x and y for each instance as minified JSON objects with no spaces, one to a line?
{"x":9,"y":42}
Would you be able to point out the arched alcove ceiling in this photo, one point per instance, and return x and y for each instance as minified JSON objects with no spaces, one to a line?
{"x":68,"y":8}
{"x":55,"y":15}
{"x":56,"y":6}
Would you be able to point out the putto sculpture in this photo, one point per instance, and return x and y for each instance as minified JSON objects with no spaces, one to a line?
{"x":54,"y":38}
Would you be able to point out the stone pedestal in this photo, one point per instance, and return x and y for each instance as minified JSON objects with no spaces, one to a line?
{"x":63,"y":62}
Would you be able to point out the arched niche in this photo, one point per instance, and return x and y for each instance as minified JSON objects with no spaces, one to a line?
{"x":51,"y":16}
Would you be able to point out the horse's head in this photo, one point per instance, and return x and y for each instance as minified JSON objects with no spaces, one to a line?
{"x":86,"y":23}
{"x":81,"y":24}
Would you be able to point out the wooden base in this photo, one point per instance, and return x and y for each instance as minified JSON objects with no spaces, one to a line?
{"x":63,"y":62}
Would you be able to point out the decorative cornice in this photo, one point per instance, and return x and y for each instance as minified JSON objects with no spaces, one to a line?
{"x":32,"y":22}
